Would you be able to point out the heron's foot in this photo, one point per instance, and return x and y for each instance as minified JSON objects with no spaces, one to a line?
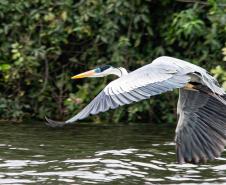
{"x":53,"y":123}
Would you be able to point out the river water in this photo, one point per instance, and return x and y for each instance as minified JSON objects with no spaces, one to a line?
{"x":31,"y":153}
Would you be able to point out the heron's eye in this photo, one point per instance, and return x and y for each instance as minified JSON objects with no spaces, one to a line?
{"x":98,"y":70}
{"x":102,"y":68}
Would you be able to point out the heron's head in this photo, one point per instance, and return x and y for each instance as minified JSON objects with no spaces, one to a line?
{"x":101,"y":71}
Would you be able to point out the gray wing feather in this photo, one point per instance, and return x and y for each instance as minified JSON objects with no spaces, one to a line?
{"x":138,"y":85}
{"x":201,"y":129}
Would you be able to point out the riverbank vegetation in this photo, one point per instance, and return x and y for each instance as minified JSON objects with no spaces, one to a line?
{"x":44,"y":42}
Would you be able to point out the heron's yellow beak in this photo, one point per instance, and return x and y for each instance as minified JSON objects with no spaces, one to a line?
{"x":84,"y":75}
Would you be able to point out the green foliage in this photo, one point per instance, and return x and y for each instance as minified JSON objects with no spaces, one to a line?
{"x":45,"y":42}
{"x":186,"y":25}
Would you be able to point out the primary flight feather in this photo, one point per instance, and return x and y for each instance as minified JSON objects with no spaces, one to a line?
{"x":201,"y":128}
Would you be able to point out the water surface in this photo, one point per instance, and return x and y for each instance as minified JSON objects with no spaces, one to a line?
{"x":32,"y":153}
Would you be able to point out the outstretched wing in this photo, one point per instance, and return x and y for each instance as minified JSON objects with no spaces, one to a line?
{"x":201,"y":129}
{"x":138,"y":85}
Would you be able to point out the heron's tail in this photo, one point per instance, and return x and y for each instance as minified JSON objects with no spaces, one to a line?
{"x":53,"y":123}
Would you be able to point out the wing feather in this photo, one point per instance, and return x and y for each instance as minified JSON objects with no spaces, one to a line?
{"x":201,"y":129}
{"x":134,"y":87}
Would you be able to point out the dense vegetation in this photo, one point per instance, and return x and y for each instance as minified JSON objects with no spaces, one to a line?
{"x":44,"y":42}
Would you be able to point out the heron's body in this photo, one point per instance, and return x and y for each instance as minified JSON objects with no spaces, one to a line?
{"x":201,"y":129}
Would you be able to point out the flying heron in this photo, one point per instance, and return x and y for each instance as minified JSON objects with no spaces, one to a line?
{"x":201,"y":128}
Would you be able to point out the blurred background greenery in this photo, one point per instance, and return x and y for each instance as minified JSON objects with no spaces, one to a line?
{"x":44,"y":42}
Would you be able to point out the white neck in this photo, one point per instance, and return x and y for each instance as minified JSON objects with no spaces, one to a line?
{"x":119,"y":71}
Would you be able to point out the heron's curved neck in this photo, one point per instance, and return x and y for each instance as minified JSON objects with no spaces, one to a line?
{"x":119,"y":71}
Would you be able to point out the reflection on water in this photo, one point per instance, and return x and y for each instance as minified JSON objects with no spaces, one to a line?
{"x":89,"y":154}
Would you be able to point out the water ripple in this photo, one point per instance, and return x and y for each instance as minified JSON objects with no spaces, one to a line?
{"x":136,"y":155}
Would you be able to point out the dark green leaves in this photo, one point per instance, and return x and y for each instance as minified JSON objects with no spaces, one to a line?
{"x":44,"y":42}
